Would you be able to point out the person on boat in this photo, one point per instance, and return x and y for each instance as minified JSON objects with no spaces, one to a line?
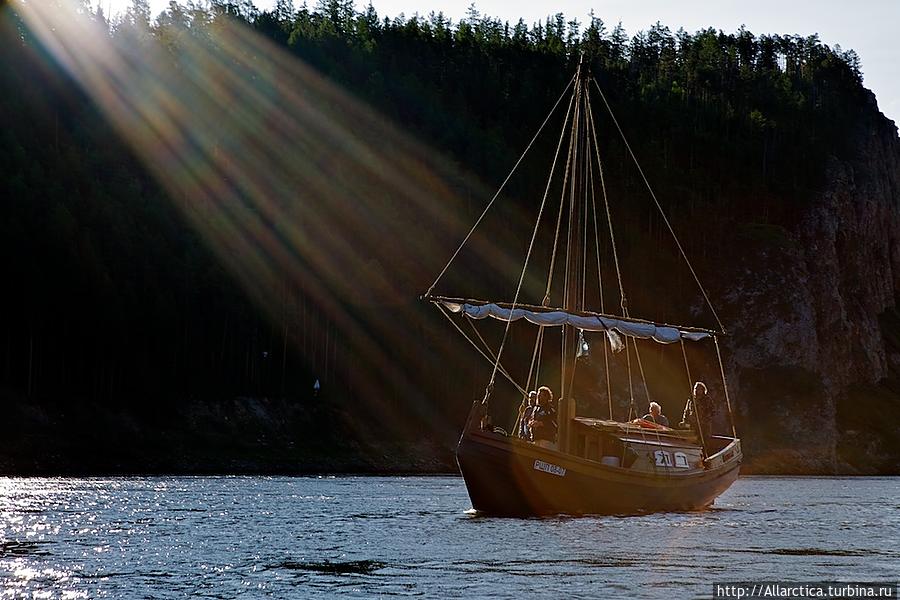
{"x":542,"y":423}
{"x":700,"y":411}
{"x":655,"y":415}
{"x":525,"y":410}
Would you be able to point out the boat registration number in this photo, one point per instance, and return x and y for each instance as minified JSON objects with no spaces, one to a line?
{"x":540,"y":465}
{"x":664,"y":459}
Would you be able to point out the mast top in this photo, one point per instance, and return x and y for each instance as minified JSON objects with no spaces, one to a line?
{"x":582,"y":72}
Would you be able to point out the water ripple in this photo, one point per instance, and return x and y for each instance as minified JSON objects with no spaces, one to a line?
{"x":350,"y":567}
{"x":257,"y":537}
{"x":14,"y":548}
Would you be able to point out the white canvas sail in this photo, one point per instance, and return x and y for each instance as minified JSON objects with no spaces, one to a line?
{"x":556,"y":318}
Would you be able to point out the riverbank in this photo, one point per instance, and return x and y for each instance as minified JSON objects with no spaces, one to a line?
{"x":248,"y":436}
{"x":239,"y":436}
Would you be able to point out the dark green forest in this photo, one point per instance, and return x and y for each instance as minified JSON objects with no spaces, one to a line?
{"x":111,"y":298}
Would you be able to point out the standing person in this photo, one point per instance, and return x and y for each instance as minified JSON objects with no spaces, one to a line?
{"x":543,"y":424}
{"x":701,"y":412}
{"x":525,"y":410}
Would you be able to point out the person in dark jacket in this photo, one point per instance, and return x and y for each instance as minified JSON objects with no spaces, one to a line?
{"x":543,"y":424}
{"x":701,"y":409}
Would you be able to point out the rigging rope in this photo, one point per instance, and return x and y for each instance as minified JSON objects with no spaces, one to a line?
{"x":646,"y":389}
{"x":690,"y":401}
{"x":600,"y":286}
{"x":641,"y":368}
{"x":631,"y":406}
{"x":535,"y":362}
{"x":538,"y":345}
{"x":502,"y":185}
{"x":623,"y":302}
{"x":659,"y":208}
{"x":585,"y":163}
{"x":539,"y":339}
{"x":534,"y":233}
{"x":582,"y":136}
{"x":562,"y":203}
{"x":480,"y":351}
{"x":687,"y":369}
{"x":570,"y":241}
{"x":725,"y":386}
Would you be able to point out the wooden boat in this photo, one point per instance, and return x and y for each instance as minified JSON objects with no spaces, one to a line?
{"x":512,"y":477}
{"x":595,"y":466}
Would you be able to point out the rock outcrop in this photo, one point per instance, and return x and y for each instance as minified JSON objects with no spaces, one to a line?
{"x":813,"y":309}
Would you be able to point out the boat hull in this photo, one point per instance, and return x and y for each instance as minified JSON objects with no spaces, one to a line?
{"x":509,"y":477}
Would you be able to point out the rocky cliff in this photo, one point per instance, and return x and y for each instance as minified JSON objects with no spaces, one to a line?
{"x":813,"y":308}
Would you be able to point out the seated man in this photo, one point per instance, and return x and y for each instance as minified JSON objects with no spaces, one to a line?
{"x":655,"y":415}
{"x":543,"y":420}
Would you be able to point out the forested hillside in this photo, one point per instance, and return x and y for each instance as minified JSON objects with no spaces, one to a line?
{"x":114,"y":300}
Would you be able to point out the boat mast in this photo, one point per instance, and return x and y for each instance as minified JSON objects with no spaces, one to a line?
{"x":577,"y":194}
{"x":573,"y":294}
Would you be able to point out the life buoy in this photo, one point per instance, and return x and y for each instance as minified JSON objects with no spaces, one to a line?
{"x":648,"y":424}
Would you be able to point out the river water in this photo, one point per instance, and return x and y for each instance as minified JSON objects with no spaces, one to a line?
{"x":224,"y":537}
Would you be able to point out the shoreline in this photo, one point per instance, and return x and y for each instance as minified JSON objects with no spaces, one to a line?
{"x":437,"y":469}
{"x":254,"y":437}
{"x":341,"y":474}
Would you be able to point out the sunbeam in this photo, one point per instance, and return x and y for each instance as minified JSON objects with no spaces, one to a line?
{"x":291,"y":182}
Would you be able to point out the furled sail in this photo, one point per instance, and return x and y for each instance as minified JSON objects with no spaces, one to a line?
{"x":664,"y":334}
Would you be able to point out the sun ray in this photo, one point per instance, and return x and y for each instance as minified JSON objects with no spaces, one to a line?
{"x":289,"y":180}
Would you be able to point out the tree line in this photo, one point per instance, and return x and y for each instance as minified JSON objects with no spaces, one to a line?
{"x":112,"y":298}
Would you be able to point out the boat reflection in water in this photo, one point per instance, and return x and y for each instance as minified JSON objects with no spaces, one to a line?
{"x":594,"y":466}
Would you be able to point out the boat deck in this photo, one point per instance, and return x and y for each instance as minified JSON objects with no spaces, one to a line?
{"x":632,"y":429}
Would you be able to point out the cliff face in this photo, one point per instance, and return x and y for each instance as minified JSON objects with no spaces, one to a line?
{"x":816,"y":360}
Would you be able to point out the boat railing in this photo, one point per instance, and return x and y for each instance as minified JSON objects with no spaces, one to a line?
{"x":727,"y":453}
